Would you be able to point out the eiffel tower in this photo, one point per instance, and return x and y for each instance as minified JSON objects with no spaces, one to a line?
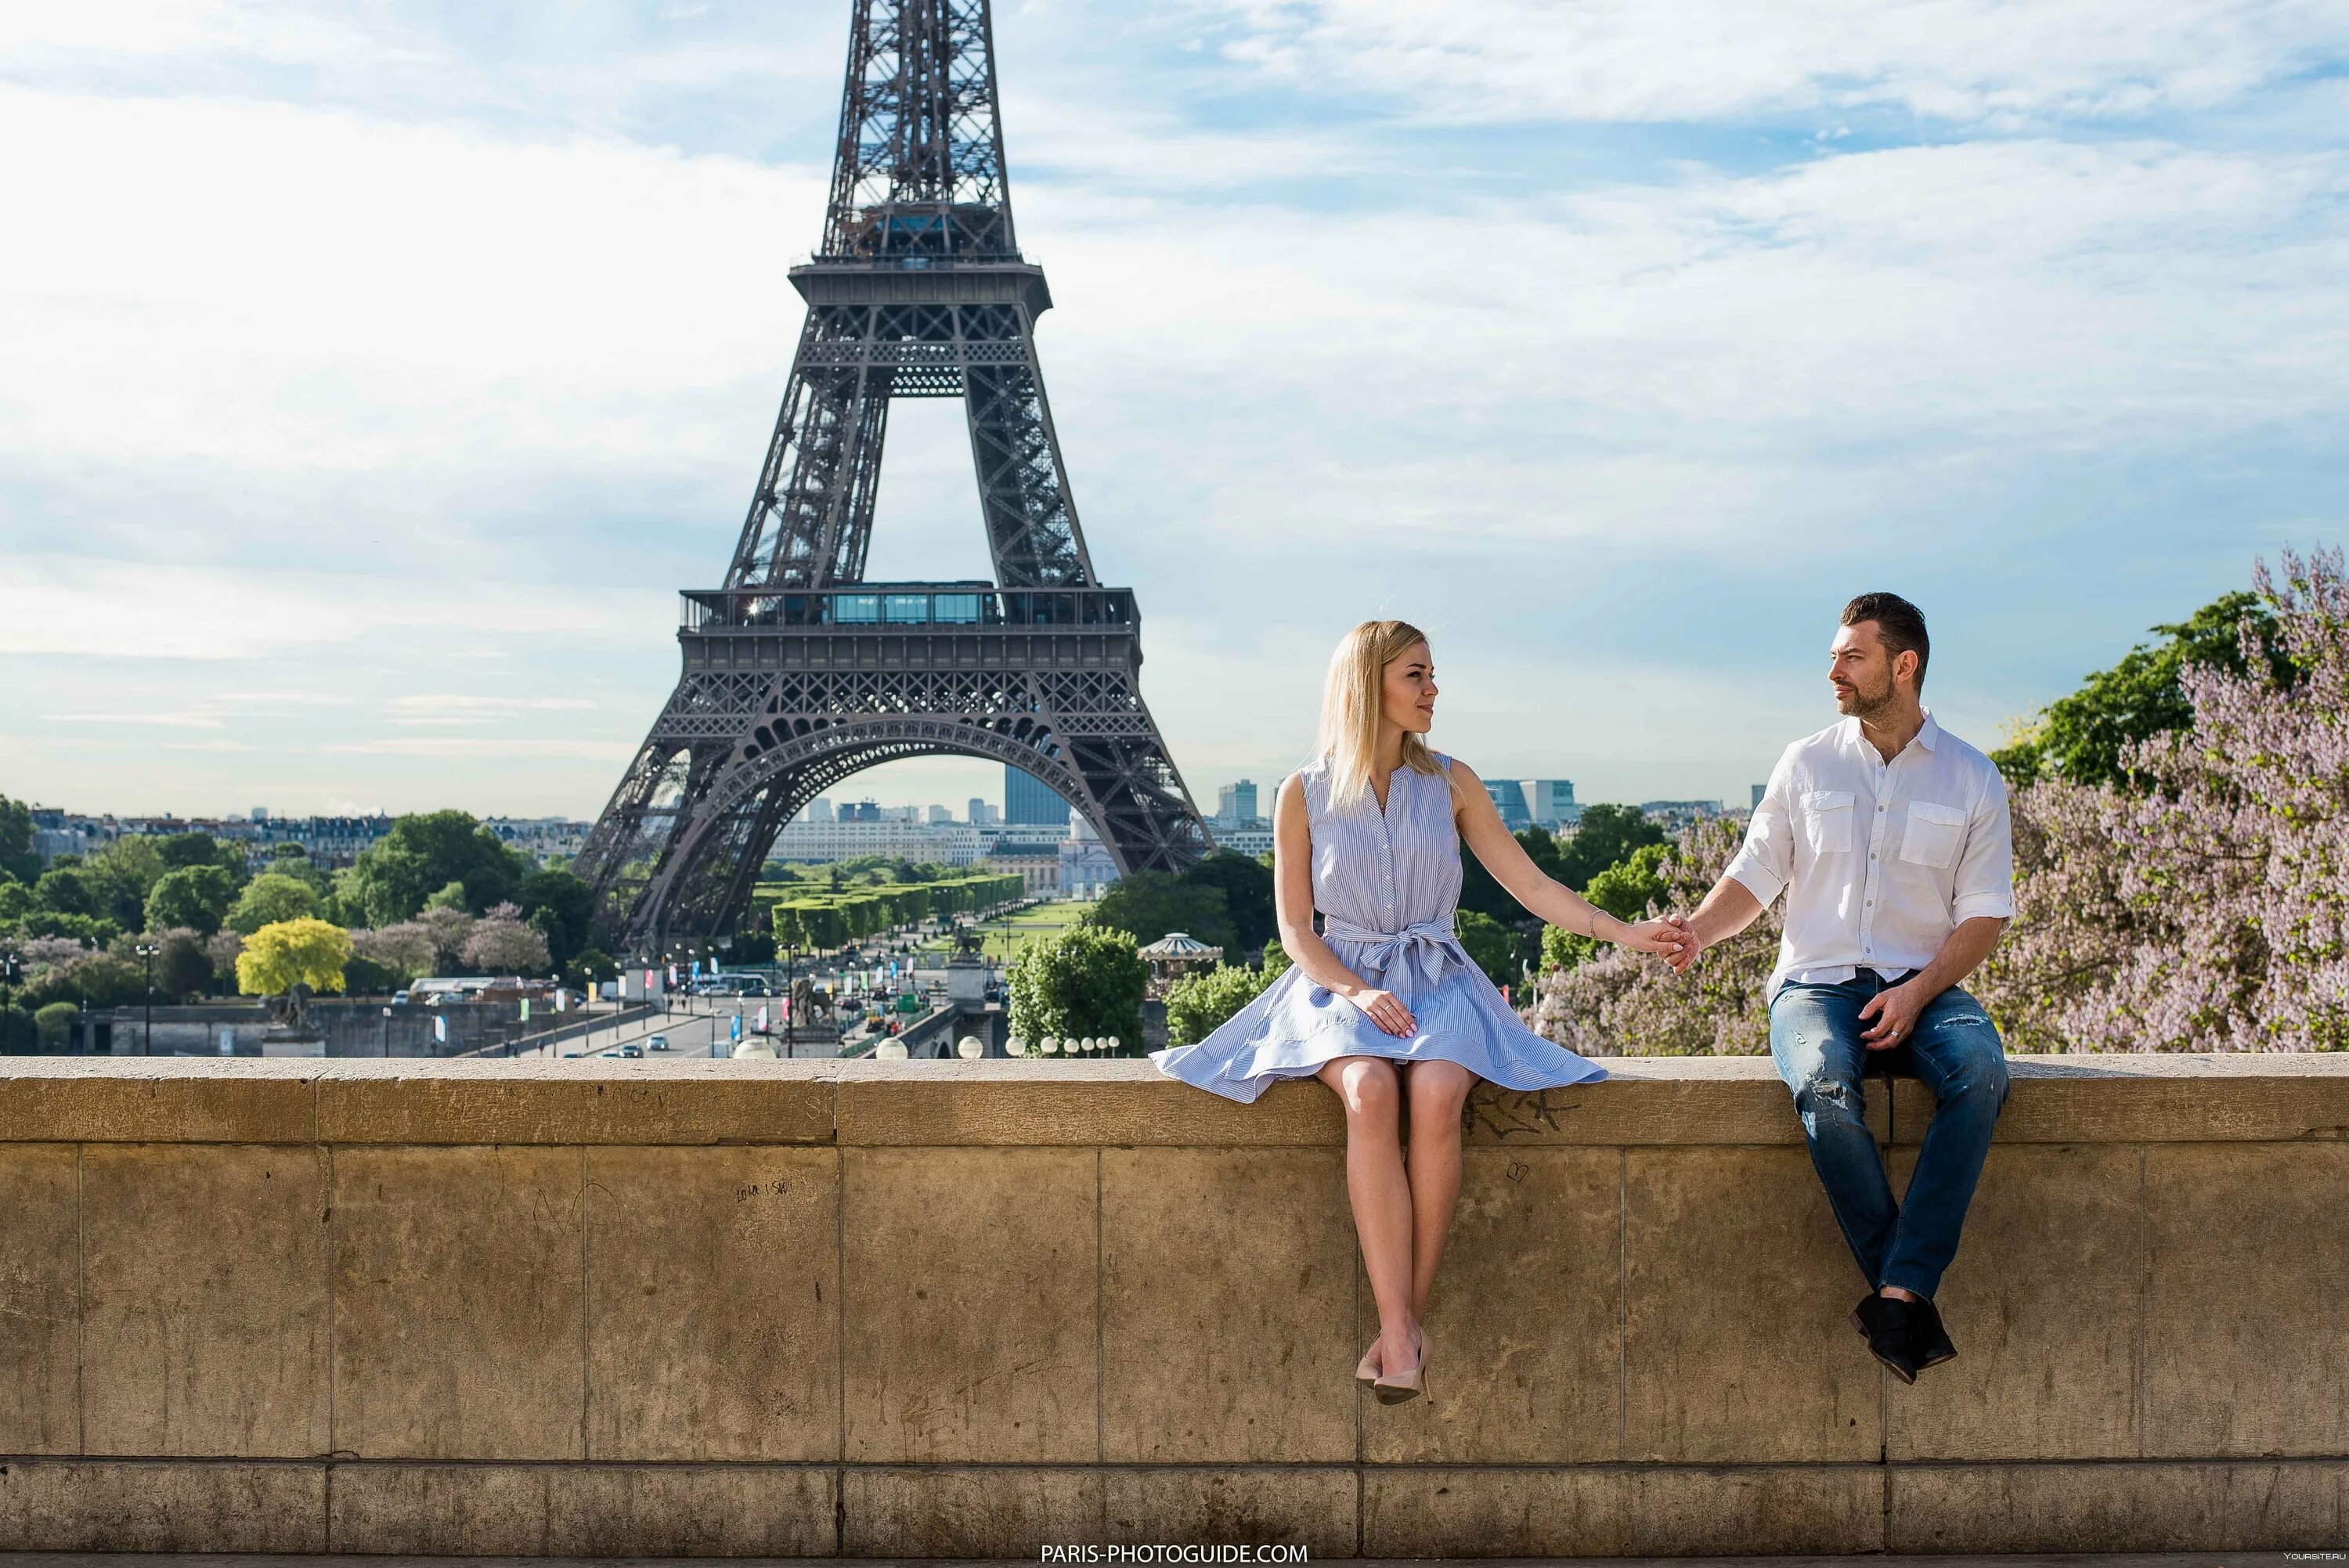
{"x":798,"y":673}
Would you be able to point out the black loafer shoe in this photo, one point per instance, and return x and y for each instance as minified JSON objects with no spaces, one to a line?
{"x":1931,"y":1340}
{"x":1888,"y":1326}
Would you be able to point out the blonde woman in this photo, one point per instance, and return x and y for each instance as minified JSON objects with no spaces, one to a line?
{"x":1382,"y":1005}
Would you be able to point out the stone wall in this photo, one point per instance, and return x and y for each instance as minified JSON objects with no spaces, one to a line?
{"x":937,"y":1309}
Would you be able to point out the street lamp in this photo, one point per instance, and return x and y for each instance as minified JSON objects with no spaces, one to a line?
{"x":387,"y":1031}
{"x":791,"y":999}
{"x":147,"y":950}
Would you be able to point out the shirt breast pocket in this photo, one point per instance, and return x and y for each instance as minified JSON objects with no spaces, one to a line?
{"x":1827,"y":820}
{"x":1934,"y":834}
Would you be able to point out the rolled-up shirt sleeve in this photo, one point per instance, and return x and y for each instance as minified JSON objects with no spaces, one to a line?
{"x":1766,"y":861}
{"x":1985,"y":878}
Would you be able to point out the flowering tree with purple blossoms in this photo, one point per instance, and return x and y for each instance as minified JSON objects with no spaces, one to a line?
{"x":2209,"y":913}
{"x":1629,"y":1004}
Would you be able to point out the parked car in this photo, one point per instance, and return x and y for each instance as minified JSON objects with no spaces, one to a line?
{"x":571,"y":1054}
{"x":657,"y":1043}
{"x":399,"y":998}
{"x":614,"y":1054}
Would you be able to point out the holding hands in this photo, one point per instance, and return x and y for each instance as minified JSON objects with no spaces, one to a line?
{"x":1669,"y":937}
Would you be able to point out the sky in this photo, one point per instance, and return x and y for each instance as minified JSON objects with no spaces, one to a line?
{"x":372,"y":374}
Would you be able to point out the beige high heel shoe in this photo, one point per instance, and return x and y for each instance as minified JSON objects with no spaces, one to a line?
{"x":1396,"y":1388}
{"x":1365,"y":1370}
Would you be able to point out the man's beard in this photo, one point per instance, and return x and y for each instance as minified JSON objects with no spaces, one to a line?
{"x":1861,"y":703}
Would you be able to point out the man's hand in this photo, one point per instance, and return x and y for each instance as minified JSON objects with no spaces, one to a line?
{"x":1661,"y":936}
{"x":1691,"y":943}
{"x":1895,"y":1011}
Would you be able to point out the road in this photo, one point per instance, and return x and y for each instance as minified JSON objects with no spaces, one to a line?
{"x":690,"y":1033}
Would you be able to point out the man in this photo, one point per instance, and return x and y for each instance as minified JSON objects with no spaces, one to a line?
{"x":1889,"y":837}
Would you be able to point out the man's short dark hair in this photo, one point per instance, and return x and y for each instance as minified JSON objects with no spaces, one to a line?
{"x":1899,"y":625}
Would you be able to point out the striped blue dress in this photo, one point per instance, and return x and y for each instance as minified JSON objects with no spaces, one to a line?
{"x":1386,"y":884}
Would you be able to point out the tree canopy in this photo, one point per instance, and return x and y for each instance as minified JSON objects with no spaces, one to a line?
{"x":1084,"y":980}
{"x":278,"y":957}
{"x":421,"y":856}
{"x":2081,"y":737}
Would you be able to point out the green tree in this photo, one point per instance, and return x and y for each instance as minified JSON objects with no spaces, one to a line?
{"x":269,"y":897}
{"x":184,"y":969}
{"x":1199,"y":1003}
{"x":51,"y":1023}
{"x":16,"y":857}
{"x":1492,"y":945}
{"x":561,"y":907}
{"x":1623,"y":890}
{"x":1246,"y":887}
{"x":1148,"y":904}
{"x":1480,"y":893}
{"x":278,"y":957}
{"x":1276,"y":956}
{"x":197,"y":897}
{"x":124,"y":873}
{"x":68,"y":891}
{"x":2079,"y":737}
{"x":394,"y":877}
{"x":185,"y":851}
{"x":1606,"y":836}
{"x":1084,"y":980}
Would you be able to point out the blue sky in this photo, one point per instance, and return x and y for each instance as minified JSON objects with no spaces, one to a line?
{"x":371,"y":376}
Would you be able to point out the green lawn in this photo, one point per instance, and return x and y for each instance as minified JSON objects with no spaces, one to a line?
{"x":1003,"y":938}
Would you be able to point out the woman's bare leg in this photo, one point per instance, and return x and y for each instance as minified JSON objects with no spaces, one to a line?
{"x":1380,"y":1195}
{"x":1436,"y":1091}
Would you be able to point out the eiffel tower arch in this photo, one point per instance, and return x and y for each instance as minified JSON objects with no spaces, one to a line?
{"x":798,"y":673}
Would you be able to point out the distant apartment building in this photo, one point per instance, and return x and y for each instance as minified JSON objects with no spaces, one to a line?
{"x":541,"y":837}
{"x":1036,"y":865}
{"x":1551,"y":803}
{"x":1759,"y":790}
{"x":1252,"y":840}
{"x":1027,"y":799}
{"x":858,"y":811}
{"x":1509,"y":799}
{"x":819,"y":810}
{"x":1675,"y":815}
{"x":983,"y":814}
{"x":1236,"y":805}
{"x":1085,"y":868}
{"x":955,"y":845}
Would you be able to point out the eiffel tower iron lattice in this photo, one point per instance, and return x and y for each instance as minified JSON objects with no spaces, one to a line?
{"x":798,"y":673}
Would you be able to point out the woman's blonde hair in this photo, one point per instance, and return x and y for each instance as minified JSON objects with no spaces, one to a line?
{"x":1353,"y":699}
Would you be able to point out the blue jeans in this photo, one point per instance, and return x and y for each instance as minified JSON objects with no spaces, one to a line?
{"x":1956,"y":1052}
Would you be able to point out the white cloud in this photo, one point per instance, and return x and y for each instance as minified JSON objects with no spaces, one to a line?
{"x":1495,"y":61}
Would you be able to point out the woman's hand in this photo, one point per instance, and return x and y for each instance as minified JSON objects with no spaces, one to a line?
{"x":1383,"y":1010}
{"x":1657,"y":936}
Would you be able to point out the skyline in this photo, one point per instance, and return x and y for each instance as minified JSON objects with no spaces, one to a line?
{"x":1621,"y":358}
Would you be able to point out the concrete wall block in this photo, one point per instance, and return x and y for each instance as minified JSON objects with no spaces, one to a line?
{"x":2046,"y":1305}
{"x":2213,"y":1507}
{"x":204,"y":1268}
{"x":1525,"y":1335}
{"x":2245,"y":1352}
{"x":458,"y":1301}
{"x":970,"y":1307}
{"x":116,"y":1505}
{"x":997,"y":1512}
{"x":1738,"y":1343}
{"x":1227,"y":1305}
{"x":713,"y":1303}
{"x":40,"y":1293}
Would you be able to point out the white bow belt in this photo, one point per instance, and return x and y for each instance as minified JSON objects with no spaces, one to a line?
{"x":1419,"y":950}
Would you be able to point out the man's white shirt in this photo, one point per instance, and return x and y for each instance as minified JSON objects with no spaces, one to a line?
{"x":1879,"y":860}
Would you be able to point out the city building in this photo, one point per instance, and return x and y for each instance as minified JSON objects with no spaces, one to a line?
{"x":955,"y":845}
{"x":1252,"y":840}
{"x":1551,"y":803}
{"x":1509,"y":797}
{"x":1085,"y":868}
{"x":1759,"y":790}
{"x":1036,"y":865}
{"x":941,"y":815}
{"x":1675,"y":815}
{"x":858,"y":811}
{"x":1235,"y":804}
{"x":1027,"y":799}
{"x":819,"y":810}
{"x":982,"y":814}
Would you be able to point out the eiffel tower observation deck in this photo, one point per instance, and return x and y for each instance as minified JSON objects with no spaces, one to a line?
{"x":797,"y":672}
